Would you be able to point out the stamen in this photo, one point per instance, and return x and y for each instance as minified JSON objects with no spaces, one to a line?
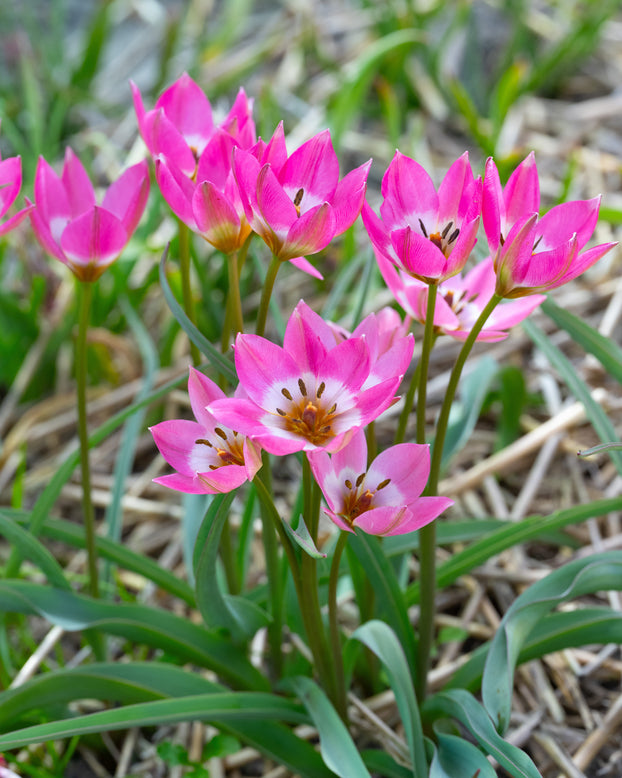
{"x":298,"y":197}
{"x":423,"y":229}
{"x":280,"y":412}
{"x":446,"y":230}
{"x":221,"y":433}
{"x":382,"y":484}
{"x":453,"y":236}
{"x":348,"y":483}
{"x":203,"y":442}
{"x":332,"y":409}
{"x":302,"y":387}
{"x":535,"y":245}
{"x":320,"y":390}
{"x":286,"y":393}
{"x":360,"y":479}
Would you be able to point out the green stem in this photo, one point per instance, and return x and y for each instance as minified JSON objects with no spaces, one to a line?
{"x":266,"y":294}
{"x":234,"y":299}
{"x":85,"y":295}
{"x":271,"y":552}
{"x":426,"y":349}
{"x":227,"y":556}
{"x":427,"y":534}
{"x":408,"y":405}
{"x":186,"y":287}
{"x":333,"y":622}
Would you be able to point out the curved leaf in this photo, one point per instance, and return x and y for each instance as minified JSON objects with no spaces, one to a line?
{"x":462,"y":706}
{"x":180,"y":637}
{"x":582,"y":576}
{"x":381,"y":639}
{"x":336,"y":746}
{"x":457,"y":756}
{"x":31,"y":548}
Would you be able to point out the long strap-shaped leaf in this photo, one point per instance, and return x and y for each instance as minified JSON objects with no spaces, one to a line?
{"x":582,"y":576}
{"x":140,"y":623}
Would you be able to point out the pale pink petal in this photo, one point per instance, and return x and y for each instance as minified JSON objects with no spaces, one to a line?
{"x":202,"y":391}
{"x":264,"y":369}
{"x":252,"y":458}
{"x":352,"y":457}
{"x":223,"y":479}
{"x":308,"y":337}
{"x":175,"y":440}
{"x":384,"y":520}
{"x":406,"y":466}
{"x":303,"y":264}
{"x":182,"y":483}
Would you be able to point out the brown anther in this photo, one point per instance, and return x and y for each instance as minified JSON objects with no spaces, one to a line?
{"x":446,"y":230}
{"x":280,"y":412}
{"x":535,"y":245}
{"x":203,"y":442}
{"x":320,"y":390}
{"x":332,"y":409}
{"x":348,"y":483}
{"x":221,"y":433}
{"x":382,"y":484}
{"x":302,"y":387}
{"x":423,"y":229}
{"x":453,"y":236}
{"x":360,"y":479}
{"x":298,"y":200}
{"x":286,"y":393}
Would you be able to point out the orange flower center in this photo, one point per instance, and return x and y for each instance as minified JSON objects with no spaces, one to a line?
{"x":228,"y":452}
{"x":309,"y":417}
{"x":442,"y":240}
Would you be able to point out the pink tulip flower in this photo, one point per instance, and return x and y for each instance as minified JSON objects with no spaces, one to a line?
{"x":534,"y":254}
{"x":388,"y":340}
{"x":209,"y":458}
{"x":299,"y":205}
{"x":459,"y":302}
{"x":70,"y":225}
{"x":382,"y":499}
{"x":309,"y":394}
{"x":427,"y":234}
{"x":10,"y":184}
{"x":181,"y":125}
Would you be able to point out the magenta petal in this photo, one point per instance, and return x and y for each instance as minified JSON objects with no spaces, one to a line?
{"x":347,"y":365}
{"x":577,"y":217}
{"x":44,"y":236}
{"x":127,"y":196}
{"x":177,"y":189}
{"x":418,"y":255}
{"x":263,"y":369}
{"x":276,"y":208}
{"x":377,"y":232}
{"x":349,"y":197}
{"x":187,"y":107}
{"x":223,"y":479}
{"x":216,"y":218}
{"x":314,"y":167}
{"x":78,"y":187}
{"x":303,"y":264}
{"x":353,"y":456}
{"x":407,"y":466}
{"x":165,"y":140}
{"x":16,"y":219}
{"x":581,"y":263}
{"x":51,"y":200}
{"x":408,"y":192}
{"x":94,"y":239}
{"x":455,"y":189}
{"x":492,"y":205}
{"x":522,"y":191}
{"x":308,"y":338}
{"x":385,"y":520}
{"x":216,"y":160}
{"x":10,"y":182}
{"x":310,"y":233}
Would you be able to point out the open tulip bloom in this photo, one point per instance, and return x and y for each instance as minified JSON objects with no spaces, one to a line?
{"x":71,"y":226}
{"x":459,"y":302}
{"x":299,"y":205}
{"x":181,"y":124}
{"x":533,"y":254}
{"x":208,"y":457}
{"x":306,"y":395}
{"x":382,"y":499}
{"x":426,"y":233}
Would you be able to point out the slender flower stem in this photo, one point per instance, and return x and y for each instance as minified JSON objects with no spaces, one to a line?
{"x":333,"y":622}
{"x":427,"y":534}
{"x":227,"y":557}
{"x":266,"y":294}
{"x":428,"y":342}
{"x":271,"y":552}
{"x":85,"y":294}
{"x":233,"y":299}
{"x":409,"y":401}
{"x":186,"y":287}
